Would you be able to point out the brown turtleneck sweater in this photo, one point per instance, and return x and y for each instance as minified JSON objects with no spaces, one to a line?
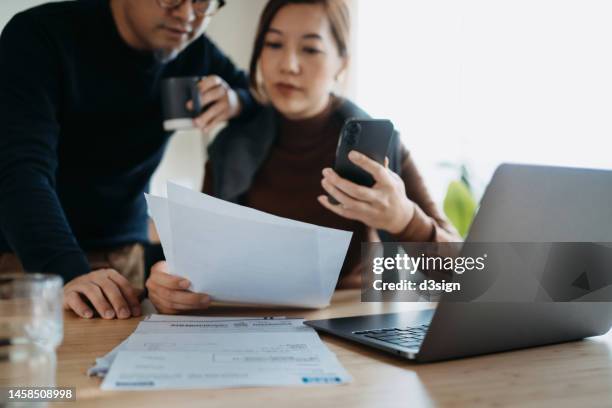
{"x":289,"y":182}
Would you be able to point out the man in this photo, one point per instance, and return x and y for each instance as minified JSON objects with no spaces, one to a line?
{"x":81,"y":134}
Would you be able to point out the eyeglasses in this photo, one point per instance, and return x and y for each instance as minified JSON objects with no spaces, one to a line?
{"x":202,"y":8}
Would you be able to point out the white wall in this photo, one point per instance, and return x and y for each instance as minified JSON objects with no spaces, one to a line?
{"x":233,"y":29}
{"x":8,"y":8}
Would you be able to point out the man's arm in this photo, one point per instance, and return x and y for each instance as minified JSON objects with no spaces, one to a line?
{"x":31,"y":217}
{"x":225,"y":91}
{"x":237,"y":80}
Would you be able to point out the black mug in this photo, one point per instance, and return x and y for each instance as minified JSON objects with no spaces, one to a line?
{"x":176,"y":92}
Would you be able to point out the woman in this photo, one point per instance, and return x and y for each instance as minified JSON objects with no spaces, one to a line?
{"x":281,"y":160}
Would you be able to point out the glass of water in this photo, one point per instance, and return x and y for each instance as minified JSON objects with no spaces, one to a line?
{"x":31,"y":328}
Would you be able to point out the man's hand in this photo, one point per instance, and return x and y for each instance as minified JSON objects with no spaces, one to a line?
{"x":106,"y":290}
{"x":222,"y":103}
{"x":169,"y":292}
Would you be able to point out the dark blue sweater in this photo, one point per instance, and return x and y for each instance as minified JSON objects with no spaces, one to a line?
{"x":81,"y":132}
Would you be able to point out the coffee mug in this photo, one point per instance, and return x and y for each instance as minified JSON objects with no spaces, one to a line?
{"x":176,"y":92}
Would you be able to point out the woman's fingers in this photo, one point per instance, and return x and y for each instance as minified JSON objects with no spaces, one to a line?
{"x":339,"y":195}
{"x":382,"y":206}
{"x":160,"y":276}
{"x":165,"y":305}
{"x":191,"y":299}
{"x":162,"y":305}
{"x":354,"y":190}
{"x":346,"y":201}
{"x":338,"y":209}
{"x":183,"y":297}
{"x":161,"y":266}
{"x":168,"y":292}
{"x":378,"y":171}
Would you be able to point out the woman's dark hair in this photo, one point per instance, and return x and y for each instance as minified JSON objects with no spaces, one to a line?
{"x":336,"y":10}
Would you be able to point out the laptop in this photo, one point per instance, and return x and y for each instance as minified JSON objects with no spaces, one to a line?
{"x":522,"y":203}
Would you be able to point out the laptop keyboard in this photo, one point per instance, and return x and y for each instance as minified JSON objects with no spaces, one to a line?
{"x":410,"y":337}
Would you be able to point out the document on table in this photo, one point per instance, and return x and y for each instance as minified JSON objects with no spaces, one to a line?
{"x":103,"y":364}
{"x":199,"y":352}
{"x":238,"y":254}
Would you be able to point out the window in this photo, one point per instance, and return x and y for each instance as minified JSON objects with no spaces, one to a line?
{"x":481,"y":82}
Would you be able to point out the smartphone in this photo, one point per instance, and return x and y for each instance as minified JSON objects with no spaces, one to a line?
{"x":371,"y":137}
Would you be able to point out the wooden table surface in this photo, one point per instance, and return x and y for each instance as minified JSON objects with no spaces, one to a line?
{"x":576,"y":374}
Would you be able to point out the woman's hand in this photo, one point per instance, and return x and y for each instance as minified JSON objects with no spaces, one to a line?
{"x":223,"y":100}
{"x":169,"y":293}
{"x":383,"y":206}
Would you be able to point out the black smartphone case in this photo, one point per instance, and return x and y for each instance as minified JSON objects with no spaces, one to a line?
{"x":371,"y":137}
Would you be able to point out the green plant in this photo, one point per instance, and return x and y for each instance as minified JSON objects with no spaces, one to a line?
{"x":459,"y":204}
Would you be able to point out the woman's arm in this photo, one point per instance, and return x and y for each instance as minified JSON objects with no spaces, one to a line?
{"x":397,"y":204}
{"x":428,"y":224}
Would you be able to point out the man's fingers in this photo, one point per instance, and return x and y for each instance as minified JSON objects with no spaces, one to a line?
{"x":377,"y":171}
{"x":211,"y":89}
{"x":221,"y":117}
{"x":209,"y":82}
{"x":75,"y":303}
{"x":128,"y":292}
{"x":212,"y":95}
{"x":205,"y":120}
{"x":115,"y":297}
{"x":96,"y":297}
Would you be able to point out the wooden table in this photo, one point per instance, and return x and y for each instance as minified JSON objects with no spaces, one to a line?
{"x":577,"y":374}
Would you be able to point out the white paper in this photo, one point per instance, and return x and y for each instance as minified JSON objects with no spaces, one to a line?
{"x":158,"y":210}
{"x":166,"y":324}
{"x":103,"y":364}
{"x":330,"y":242}
{"x":198,"y":352}
{"x":234,"y":260}
{"x":147,"y":370}
{"x":163,"y":324}
{"x":238,"y":254}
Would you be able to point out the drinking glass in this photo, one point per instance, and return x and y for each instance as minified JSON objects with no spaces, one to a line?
{"x":31,"y":328}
